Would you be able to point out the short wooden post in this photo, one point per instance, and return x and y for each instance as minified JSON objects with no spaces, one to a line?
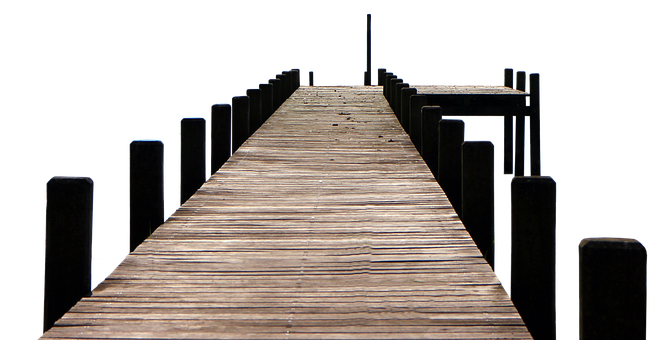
{"x":391,"y":88}
{"x":68,"y":245}
{"x":255,"y":96}
{"x":509,"y":77}
{"x":405,"y":107}
{"x":311,"y":81}
{"x":193,"y":155}
{"x":289,"y":83}
{"x":296,"y":79}
{"x":386,"y":84}
{"x":277,"y":95}
{"x":146,"y":192}
{"x":393,"y":92}
{"x":535,"y":155}
{"x":285,"y":86}
{"x":221,"y":135}
{"x":398,"y":100}
{"x":366,"y":80}
{"x":521,"y":81}
{"x":431,"y":115}
{"x":416,"y":104}
{"x":381,"y":74}
{"x":240,"y":121}
{"x":612,"y":289}
{"x":267,"y":101}
{"x":450,"y":140}
{"x":477,"y":197}
{"x":533,"y":253}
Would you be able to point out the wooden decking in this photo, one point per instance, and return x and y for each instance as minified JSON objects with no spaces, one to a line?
{"x":325,"y":224}
{"x":467,"y":90}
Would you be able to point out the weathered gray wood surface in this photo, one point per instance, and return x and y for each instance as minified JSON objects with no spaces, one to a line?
{"x":325,"y":224}
{"x":467,"y":90}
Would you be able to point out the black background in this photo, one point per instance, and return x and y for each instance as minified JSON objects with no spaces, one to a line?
{"x":90,"y":82}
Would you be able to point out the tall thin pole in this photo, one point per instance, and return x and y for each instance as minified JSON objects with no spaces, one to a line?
{"x":368,"y":74}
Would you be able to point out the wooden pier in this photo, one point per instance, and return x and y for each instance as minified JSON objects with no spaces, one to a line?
{"x":325,"y":224}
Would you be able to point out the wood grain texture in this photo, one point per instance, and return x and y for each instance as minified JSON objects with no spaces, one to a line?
{"x":325,"y":224}
{"x":468,"y":90}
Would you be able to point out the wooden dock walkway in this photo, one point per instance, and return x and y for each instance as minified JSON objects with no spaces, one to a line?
{"x":325,"y":224}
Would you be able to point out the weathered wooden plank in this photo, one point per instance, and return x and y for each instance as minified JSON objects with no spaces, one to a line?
{"x":326,"y":223}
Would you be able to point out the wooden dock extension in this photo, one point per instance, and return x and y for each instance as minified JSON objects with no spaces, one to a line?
{"x":325,"y":224}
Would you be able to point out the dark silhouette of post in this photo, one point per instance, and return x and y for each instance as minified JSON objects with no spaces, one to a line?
{"x":285,"y":86}
{"x":520,"y":127}
{"x":431,"y":115}
{"x":535,"y":155}
{"x":255,"y":96}
{"x":612,"y":289}
{"x":415,"y":128}
{"x":509,"y":78}
{"x":405,"y":107}
{"x":450,"y":140}
{"x":68,"y":245}
{"x":393,"y":93}
{"x":193,"y":155}
{"x":398,"y":100}
{"x":296,"y":79}
{"x":311,"y":81}
{"x":368,"y":74}
{"x":477,"y":198}
{"x":267,"y":101}
{"x":533,"y":253}
{"x":221,"y":135}
{"x":146,"y":192}
{"x":240,"y":121}
{"x":381,"y":74}
{"x":277,"y":96}
{"x":386,"y":85}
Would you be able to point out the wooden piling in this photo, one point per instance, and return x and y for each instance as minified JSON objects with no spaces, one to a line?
{"x":255,"y":96}
{"x":450,"y":140}
{"x":405,"y":107}
{"x":509,"y":129}
{"x":221,"y":135}
{"x":398,"y":100}
{"x":311,"y":80}
{"x":368,"y":74}
{"x":296,"y":79}
{"x":431,"y":115}
{"x":535,"y":154}
{"x":267,"y":101}
{"x":146,"y":190}
{"x":240,"y":121}
{"x":277,"y":95}
{"x":381,"y":74}
{"x":520,"y":128}
{"x":386,"y":84}
{"x":415,"y":126}
{"x":193,"y":156}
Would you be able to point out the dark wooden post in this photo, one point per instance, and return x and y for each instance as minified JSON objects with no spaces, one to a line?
{"x":509,"y":77}
{"x":381,"y":74}
{"x":193,"y":155}
{"x":450,"y":140}
{"x":255,"y":96}
{"x":277,"y":96}
{"x":311,"y":81}
{"x":417,"y":102}
{"x":477,"y":195}
{"x":68,"y":245}
{"x":146,"y":196}
{"x":368,"y":74}
{"x":391,"y":90}
{"x":267,"y":101}
{"x":221,"y":135}
{"x":289,"y":83}
{"x":386,"y":85}
{"x":405,"y":107}
{"x":240,"y":121}
{"x":520,"y":144}
{"x":508,"y":145}
{"x":612,"y":289}
{"x":535,"y":155}
{"x":398,"y":100}
{"x":285,"y":86}
{"x":296,"y":79}
{"x":533,"y":253}
{"x":521,"y":81}
{"x":431,"y":115}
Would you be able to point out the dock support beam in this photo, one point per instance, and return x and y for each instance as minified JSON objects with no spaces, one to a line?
{"x":533,"y":253}
{"x":146,"y":196}
{"x":193,"y":156}
{"x":612,"y":289}
{"x":520,"y":127}
{"x":68,"y":273}
{"x":509,"y":128}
